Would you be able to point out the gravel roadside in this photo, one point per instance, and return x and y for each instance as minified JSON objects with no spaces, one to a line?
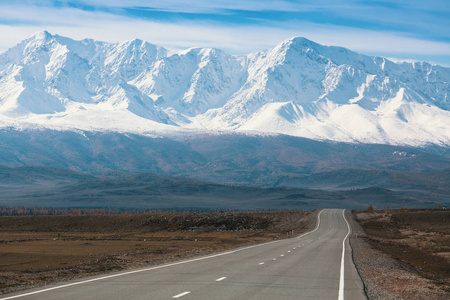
{"x":385,"y":277}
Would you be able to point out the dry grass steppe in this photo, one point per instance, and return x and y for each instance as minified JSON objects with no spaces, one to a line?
{"x":37,"y":250}
{"x":404,"y":253}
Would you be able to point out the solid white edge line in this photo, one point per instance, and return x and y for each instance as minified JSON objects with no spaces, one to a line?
{"x":317,"y":227}
{"x":341,"y":277}
{"x":155,"y":268}
{"x":181,"y":295}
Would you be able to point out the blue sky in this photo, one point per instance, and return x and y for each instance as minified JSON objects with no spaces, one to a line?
{"x":402,"y":29}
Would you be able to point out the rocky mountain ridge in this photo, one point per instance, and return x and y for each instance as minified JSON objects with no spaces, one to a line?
{"x":297,"y":88}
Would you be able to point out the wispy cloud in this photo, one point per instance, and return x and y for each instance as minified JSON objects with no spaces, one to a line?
{"x":424,"y":17}
{"x":194,"y":6}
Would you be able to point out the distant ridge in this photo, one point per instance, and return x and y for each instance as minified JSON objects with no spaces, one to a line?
{"x":60,"y":188}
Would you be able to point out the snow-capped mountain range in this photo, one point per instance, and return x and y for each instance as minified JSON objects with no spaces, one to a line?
{"x":297,"y":88}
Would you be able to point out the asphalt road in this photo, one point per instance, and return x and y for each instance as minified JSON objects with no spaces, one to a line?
{"x":312,"y":266}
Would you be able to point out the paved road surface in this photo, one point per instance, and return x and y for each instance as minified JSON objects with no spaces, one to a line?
{"x":311,"y":266}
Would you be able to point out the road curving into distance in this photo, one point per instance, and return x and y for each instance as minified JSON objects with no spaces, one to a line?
{"x":314,"y":265}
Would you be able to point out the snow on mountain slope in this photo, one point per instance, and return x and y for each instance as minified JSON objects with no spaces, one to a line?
{"x":193,"y":81}
{"x":298,"y":88}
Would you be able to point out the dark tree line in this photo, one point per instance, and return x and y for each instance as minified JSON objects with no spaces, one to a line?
{"x":44,"y":211}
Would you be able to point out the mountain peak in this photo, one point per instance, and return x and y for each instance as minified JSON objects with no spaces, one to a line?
{"x":304,"y":43}
{"x":135,"y":41}
{"x":37,"y":40}
{"x":42,"y":36}
{"x":297,"y":46}
{"x":301,"y":42}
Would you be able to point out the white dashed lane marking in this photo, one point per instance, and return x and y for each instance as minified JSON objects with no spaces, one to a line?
{"x":181,"y":295}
